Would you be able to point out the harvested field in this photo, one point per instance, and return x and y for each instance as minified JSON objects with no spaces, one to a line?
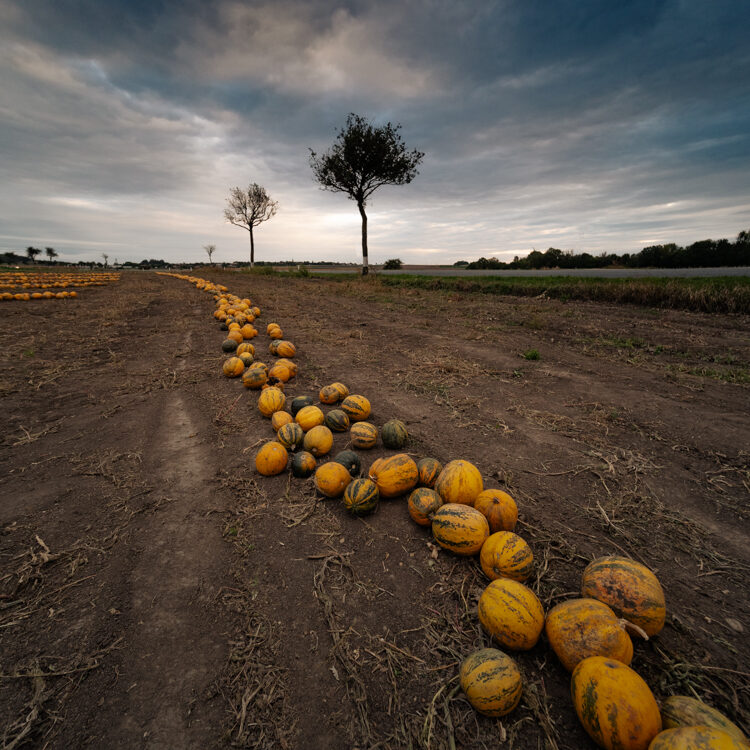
{"x":156,"y":592}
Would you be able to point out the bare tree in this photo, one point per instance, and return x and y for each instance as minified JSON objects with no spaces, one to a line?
{"x":210,"y":249}
{"x":32,"y":252}
{"x":249,"y":208}
{"x":362,"y":159}
{"x":51,"y":252}
{"x":106,"y":258}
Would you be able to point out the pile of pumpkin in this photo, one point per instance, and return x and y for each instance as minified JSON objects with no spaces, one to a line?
{"x":590,"y":635}
{"x":47,"y":281}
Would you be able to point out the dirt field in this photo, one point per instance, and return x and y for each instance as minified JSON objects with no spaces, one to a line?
{"x":155,"y":592}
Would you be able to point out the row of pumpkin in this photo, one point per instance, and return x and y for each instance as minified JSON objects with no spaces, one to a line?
{"x":589,"y":635}
{"x":48,"y":281}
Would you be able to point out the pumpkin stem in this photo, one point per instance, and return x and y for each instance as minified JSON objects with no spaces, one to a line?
{"x":627,"y":625}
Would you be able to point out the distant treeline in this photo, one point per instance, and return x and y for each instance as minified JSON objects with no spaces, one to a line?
{"x":702,"y":254}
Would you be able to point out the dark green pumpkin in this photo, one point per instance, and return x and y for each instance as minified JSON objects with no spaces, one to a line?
{"x":393,"y":434}
{"x":337,"y":420}
{"x":351,"y":460}
{"x":228,"y":345}
{"x":299,"y":403}
{"x":223,"y":325}
{"x":290,"y":435}
{"x":303,"y":464}
{"x":361,"y":497}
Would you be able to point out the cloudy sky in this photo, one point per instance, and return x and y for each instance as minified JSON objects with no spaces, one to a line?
{"x":579,"y":124}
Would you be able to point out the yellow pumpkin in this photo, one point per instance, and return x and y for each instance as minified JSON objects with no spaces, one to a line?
{"x":233,"y":367}
{"x":511,"y":613}
{"x":271,"y":400}
{"x":291,"y":366}
{"x":255,"y":377}
{"x":629,"y":588}
{"x":236,"y":335}
{"x":318,"y":440}
{"x":342,"y":389}
{"x":614,"y":704}
{"x":276,"y":333}
{"x":271,"y":459}
{"x":696,"y":738}
{"x":491,"y":682}
{"x":579,"y":628}
{"x":459,"y":528}
{"x":286,"y":349}
{"x":308,"y":417}
{"x":394,"y":475}
{"x":459,"y":482}
{"x":329,"y":395}
{"x":281,"y":372}
{"x":248,"y":331}
{"x":331,"y":479}
{"x":499,"y":508}
{"x":245,"y":348}
{"x":506,"y":555}
{"x":272,"y":326}
{"x":363,"y":435}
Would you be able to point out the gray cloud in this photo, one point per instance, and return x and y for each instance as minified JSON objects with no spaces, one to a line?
{"x":575,"y":124}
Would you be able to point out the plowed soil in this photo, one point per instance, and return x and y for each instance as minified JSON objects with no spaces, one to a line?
{"x":156,"y":592}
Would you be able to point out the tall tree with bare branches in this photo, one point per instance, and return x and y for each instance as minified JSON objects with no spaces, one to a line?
{"x":210,"y":250}
{"x":362,"y":159}
{"x":249,"y":208}
{"x":51,"y":252}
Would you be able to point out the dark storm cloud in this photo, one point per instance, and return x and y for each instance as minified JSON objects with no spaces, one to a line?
{"x":587,"y":124}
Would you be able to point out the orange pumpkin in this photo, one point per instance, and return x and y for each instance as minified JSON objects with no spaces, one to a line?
{"x":459,"y":528}
{"x":491,"y":682}
{"x":429,"y":471}
{"x":291,"y":366}
{"x":280,"y":418}
{"x":254,"y":377}
{"x":329,"y":395}
{"x":423,"y":504}
{"x":331,"y":479}
{"x":309,"y":416}
{"x":245,"y":348}
{"x":233,"y":367}
{"x":395,"y":475}
{"x":579,"y":628}
{"x":271,"y":459}
{"x":357,"y":408}
{"x":686,"y":711}
{"x":363,"y":435}
{"x":281,"y":372}
{"x":499,"y":508}
{"x":236,"y":334}
{"x":511,"y":613}
{"x":614,"y":704}
{"x":459,"y":482}
{"x":696,"y":738}
{"x":342,"y":389}
{"x":318,"y":440}
{"x":286,"y":349}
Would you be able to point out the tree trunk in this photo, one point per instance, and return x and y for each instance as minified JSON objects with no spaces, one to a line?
{"x":365,"y":267}
{"x":252,"y":248}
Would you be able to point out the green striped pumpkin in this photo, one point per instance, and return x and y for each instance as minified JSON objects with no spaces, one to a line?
{"x":290,"y":435}
{"x":300,"y":402}
{"x":336,"y":420}
{"x":356,"y":407}
{"x":429,"y":470}
{"x":423,"y":504}
{"x":361,"y":497}
{"x":511,"y":613}
{"x":363,"y":435}
{"x":460,"y":528}
{"x":394,"y":434}
{"x":491,"y":682}
{"x":506,"y":555}
{"x":228,"y":345}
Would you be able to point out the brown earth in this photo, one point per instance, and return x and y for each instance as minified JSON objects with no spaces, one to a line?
{"x":156,"y":592}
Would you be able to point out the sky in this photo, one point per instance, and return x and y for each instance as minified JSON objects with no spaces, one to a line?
{"x":586,"y":125}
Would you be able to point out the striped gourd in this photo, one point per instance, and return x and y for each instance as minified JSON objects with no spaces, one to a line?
{"x":233,"y":367}
{"x":511,"y":613}
{"x":337,"y":421}
{"x":614,"y":704}
{"x":290,"y":435}
{"x":246,"y":348}
{"x":329,"y":395}
{"x":361,"y":497}
{"x":459,"y":482}
{"x":363,"y":435}
{"x":303,"y":464}
{"x":318,"y":440}
{"x":629,"y":588}
{"x":270,"y":401}
{"x":357,"y":408}
{"x":395,"y":475}
{"x":279,"y":419}
{"x":423,"y":504}
{"x":308,"y":417}
{"x":394,"y":434}
{"x":491,"y":682}
{"x":684,"y":711}
{"x":254,"y":378}
{"x":460,"y":528}
{"x":429,"y":471}
{"x":506,"y":555}
{"x":579,"y":628}
{"x":342,"y":389}
{"x":696,"y":738}
{"x":286,"y":349}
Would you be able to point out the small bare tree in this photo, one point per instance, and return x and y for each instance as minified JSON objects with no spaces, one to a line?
{"x":51,"y":252}
{"x":249,"y":208}
{"x":32,"y":252}
{"x":106,"y":258}
{"x":210,"y":249}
